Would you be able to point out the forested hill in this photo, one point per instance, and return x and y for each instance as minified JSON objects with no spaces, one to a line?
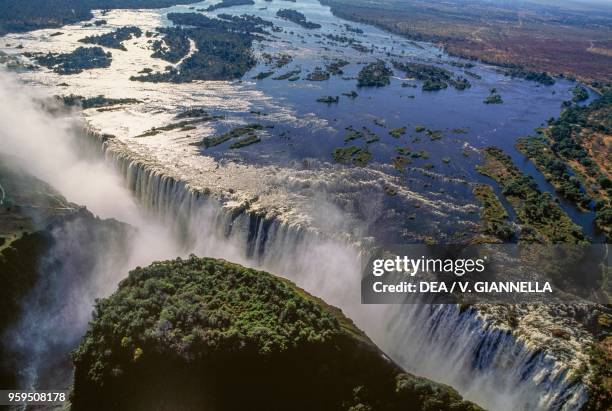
{"x":207,"y":334}
{"x":22,"y":15}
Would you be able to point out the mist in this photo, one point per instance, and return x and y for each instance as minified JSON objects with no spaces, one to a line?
{"x":438,"y":342}
{"x":83,"y":264}
{"x":52,"y":145}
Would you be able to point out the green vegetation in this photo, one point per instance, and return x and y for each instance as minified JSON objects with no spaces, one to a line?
{"x":423,"y":71}
{"x":540,"y":77}
{"x":434,"y":78}
{"x":318,"y":74}
{"x":297,"y":18}
{"x":579,"y":94}
{"x":567,"y":185}
{"x":180,"y":332}
{"x":263,"y":75}
{"x":28,"y":261}
{"x":189,"y":119}
{"x":288,"y":75}
{"x":360,"y":47}
{"x":576,"y":125}
{"x":352,"y":155}
{"x":244,"y":25}
{"x":493,"y":215}
{"x":114,"y":39}
{"x":599,"y":382}
{"x":229,"y":3}
{"x":420,"y":154}
{"x":573,"y":153}
{"x":252,"y":139}
{"x":405,"y":156}
{"x":374,"y":75}
{"x":278,"y":61}
{"x":82,"y":58}
{"x":542,"y":218}
{"x":581,"y":138}
{"x":352,"y":29}
{"x":434,"y":134}
{"x":397,"y":132}
{"x":232,"y":134}
{"x":340,"y":39}
{"x":400,"y":162}
{"x":335,"y":67}
{"x":34,"y":221}
{"x":223,"y":49}
{"x":430,"y":85}
{"x":493,"y":97}
{"x":368,"y":135}
{"x":329,"y":99}
{"x":19,"y":273}
{"x":460,"y":83}
{"x":352,"y":134}
{"x":461,"y":64}
{"x":196,"y":112}
{"x":27,"y":203}
{"x":553,"y":37}
{"x":174,"y":46}
{"x":95,"y":102}
{"x":20,"y":16}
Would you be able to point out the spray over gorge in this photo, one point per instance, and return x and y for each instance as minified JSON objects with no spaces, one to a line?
{"x":281,"y":137}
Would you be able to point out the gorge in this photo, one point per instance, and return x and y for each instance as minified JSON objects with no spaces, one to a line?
{"x":279,"y":205}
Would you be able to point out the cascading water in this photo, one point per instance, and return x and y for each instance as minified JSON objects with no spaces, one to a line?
{"x":487,"y":364}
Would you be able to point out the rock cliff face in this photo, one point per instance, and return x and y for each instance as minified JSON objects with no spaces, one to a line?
{"x":207,"y":334}
{"x":49,"y":248}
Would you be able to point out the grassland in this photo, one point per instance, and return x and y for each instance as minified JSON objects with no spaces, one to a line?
{"x":538,"y":37}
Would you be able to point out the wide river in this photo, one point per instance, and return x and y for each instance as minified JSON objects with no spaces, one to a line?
{"x":291,"y":175}
{"x":303,"y":133}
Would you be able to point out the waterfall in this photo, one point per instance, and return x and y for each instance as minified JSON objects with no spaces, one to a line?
{"x":485,"y":363}
{"x":462,"y":348}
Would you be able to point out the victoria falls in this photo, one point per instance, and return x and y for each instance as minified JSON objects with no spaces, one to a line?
{"x":190,"y":193}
